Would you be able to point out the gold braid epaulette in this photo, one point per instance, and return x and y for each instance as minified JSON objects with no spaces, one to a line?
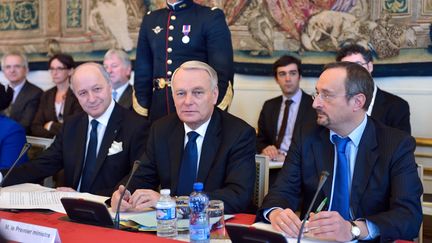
{"x":226,"y":101}
{"x":137,"y":107}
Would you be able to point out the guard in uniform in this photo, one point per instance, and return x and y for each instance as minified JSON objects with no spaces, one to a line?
{"x":168,"y":37}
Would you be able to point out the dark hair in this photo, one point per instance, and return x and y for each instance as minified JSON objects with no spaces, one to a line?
{"x":65,"y":59}
{"x":354,"y":49}
{"x":358,"y":80}
{"x":284,"y":61}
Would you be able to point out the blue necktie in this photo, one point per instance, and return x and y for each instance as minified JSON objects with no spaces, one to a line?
{"x":90,"y":162}
{"x":114,"y":95}
{"x":341,"y":195}
{"x":188,"y":169}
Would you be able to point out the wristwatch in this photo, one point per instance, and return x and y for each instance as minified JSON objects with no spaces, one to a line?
{"x":355,"y":231}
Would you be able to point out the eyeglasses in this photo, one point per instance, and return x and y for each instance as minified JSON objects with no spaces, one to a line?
{"x":324,"y":96}
{"x":57,"y":69}
{"x":9,"y":67}
{"x":361,"y":63}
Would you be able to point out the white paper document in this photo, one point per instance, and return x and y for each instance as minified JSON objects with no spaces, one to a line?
{"x":33,"y":196}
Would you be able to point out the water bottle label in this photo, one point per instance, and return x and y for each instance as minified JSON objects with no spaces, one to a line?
{"x":166,"y":214}
{"x":199,"y":234}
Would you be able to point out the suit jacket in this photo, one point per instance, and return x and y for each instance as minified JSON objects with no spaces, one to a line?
{"x":392,"y":111}
{"x":12,"y":140}
{"x":209,"y":42}
{"x":268,"y":119}
{"x":6,"y":95}
{"x":26,"y":104}
{"x":46,"y":112}
{"x":385,"y":186}
{"x":68,"y":152}
{"x":227,"y":162}
{"x":126,"y":98}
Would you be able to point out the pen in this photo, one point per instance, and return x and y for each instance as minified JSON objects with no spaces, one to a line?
{"x":321,"y":205}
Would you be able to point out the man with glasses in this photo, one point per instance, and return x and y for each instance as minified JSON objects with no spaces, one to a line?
{"x":25,"y":100}
{"x":373,"y":190}
{"x":385,"y":107}
{"x":281,"y":115}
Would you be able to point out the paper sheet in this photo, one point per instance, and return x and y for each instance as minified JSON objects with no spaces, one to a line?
{"x":34,"y":196}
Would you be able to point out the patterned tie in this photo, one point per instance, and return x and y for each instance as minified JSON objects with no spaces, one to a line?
{"x":90,"y":162}
{"x":284,"y":124}
{"x":341,"y":195}
{"x":114,"y":95}
{"x":188,"y":169}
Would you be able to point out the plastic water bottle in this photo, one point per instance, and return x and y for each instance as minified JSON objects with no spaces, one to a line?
{"x":199,"y":227}
{"x":166,"y":215}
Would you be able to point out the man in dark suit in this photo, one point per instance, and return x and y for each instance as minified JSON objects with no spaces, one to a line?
{"x":96,"y":149}
{"x":198,"y":143}
{"x":26,"y":96}
{"x":287,"y":73}
{"x":388,"y":108}
{"x":118,"y":65}
{"x":373,"y":188}
{"x":170,"y":36}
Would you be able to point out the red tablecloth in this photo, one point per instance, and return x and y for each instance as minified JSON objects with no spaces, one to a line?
{"x":81,"y":233}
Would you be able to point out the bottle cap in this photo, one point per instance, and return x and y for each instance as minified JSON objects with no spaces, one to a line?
{"x":166,"y":192}
{"x":198,"y":186}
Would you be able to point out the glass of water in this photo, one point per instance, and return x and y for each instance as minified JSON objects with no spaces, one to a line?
{"x":216,"y":214}
{"x":182,"y":206}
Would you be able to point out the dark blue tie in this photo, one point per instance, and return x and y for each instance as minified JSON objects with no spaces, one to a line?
{"x":188,"y":169}
{"x":90,"y":162}
{"x":341,"y":195}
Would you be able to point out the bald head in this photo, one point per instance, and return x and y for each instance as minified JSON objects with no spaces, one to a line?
{"x":92,"y":86}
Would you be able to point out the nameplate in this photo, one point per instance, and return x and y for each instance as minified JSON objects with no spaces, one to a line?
{"x":22,"y":232}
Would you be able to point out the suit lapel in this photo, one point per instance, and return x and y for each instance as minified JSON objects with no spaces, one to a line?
{"x":210,"y":146}
{"x":323,"y":151}
{"x":110,"y":134}
{"x":367,"y":156}
{"x":126,"y":98}
{"x":21,"y":99}
{"x":176,"y":147}
{"x":81,"y":135}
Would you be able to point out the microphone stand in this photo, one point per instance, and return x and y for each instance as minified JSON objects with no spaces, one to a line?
{"x":323,"y":178}
{"x":117,"y":215}
{"x":24,"y":150}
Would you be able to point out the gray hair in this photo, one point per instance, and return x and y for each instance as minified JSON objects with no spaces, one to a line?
{"x":122,"y":55}
{"x":197,"y":65}
{"x":99,"y":67}
{"x":15,"y":53}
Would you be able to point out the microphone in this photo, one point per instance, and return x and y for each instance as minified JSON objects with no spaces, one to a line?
{"x":323,"y":179}
{"x":24,"y":150}
{"x":117,"y":215}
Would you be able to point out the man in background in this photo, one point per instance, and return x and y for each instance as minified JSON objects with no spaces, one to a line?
{"x":118,"y":65}
{"x":281,"y":115}
{"x":170,"y":36}
{"x":26,"y":96}
{"x":385,"y":107}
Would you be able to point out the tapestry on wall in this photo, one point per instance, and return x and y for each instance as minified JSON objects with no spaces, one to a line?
{"x":398,"y":31}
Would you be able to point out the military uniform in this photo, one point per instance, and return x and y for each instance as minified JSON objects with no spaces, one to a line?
{"x":171,"y":36}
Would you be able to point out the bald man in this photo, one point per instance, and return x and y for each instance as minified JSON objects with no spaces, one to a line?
{"x":97,"y":148}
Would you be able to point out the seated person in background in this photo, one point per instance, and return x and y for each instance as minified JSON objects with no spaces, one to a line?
{"x":96,"y":149}
{"x":6,"y":95}
{"x":58,"y":103}
{"x":118,"y":65}
{"x":198,"y":143}
{"x":281,"y":115}
{"x":388,"y":108}
{"x":12,"y":140}
{"x":373,"y":188}
{"x":26,"y":96}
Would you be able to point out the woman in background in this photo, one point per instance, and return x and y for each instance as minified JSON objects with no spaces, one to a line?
{"x":57,"y":103}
